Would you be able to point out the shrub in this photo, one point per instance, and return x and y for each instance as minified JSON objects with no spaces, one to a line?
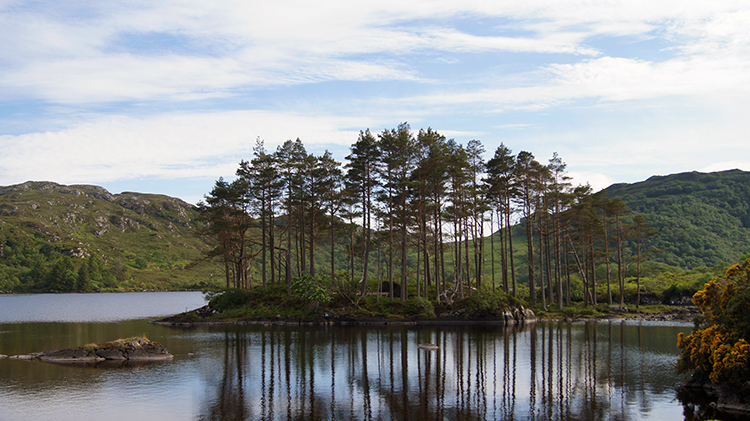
{"x":421,"y":307}
{"x":485,"y":302}
{"x":141,"y":263}
{"x":311,"y":289}
{"x":226,"y":299}
{"x":720,"y":350}
{"x":674,"y":293}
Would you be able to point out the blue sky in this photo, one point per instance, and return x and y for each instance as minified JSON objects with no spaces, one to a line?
{"x":165,"y":97}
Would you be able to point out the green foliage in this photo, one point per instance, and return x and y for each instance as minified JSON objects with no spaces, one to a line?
{"x":257,"y":302}
{"x":703,"y":219}
{"x":485,"y":302}
{"x":42,"y":222}
{"x":141,"y":263}
{"x":226,"y":299}
{"x":719,"y":349}
{"x":64,"y":275}
{"x":421,"y":307}
{"x":310,"y":288}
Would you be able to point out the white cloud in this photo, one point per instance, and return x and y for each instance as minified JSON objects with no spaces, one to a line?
{"x":514,"y":126}
{"x":237,"y":44}
{"x":166,"y":146}
{"x":89,"y":54}
{"x":596,"y":180}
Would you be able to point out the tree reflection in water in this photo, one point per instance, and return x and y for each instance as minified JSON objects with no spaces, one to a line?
{"x":585,"y":371}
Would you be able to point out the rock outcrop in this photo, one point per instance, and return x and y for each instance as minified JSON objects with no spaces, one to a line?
{"x":726,"y":398}
{"x":121,"y":351}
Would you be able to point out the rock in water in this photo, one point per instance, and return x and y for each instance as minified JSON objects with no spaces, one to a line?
{"x":428,"y":347}
{"x":121,"y":351}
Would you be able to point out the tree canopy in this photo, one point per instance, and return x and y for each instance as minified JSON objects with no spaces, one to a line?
{"x":412,"y":210}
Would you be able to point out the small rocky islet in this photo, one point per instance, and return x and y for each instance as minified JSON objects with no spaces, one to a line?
{"x":121,"y":352}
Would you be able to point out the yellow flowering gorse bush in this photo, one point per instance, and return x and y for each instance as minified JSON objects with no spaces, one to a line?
{"x":720,"y":350}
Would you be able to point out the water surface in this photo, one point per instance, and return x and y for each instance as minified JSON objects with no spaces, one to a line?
{"x":551,"y":370}
{"x":95,"y":307}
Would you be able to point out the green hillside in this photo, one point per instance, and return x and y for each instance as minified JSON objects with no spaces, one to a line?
{"x":147,"y":241}
{"x":703,"y":219}
{"x":140,"y":241}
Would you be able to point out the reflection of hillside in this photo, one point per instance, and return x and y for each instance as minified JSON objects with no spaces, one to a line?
{"x":547,"y":371}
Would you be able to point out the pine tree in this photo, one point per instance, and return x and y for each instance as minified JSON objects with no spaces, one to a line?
{"x":361,"y":183}
{"x":501,"y":192}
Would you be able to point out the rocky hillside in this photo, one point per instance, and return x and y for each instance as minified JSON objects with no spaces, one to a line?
{"x":147,"y":241}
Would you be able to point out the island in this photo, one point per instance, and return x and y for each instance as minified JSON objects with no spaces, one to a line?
{"x":121,"y":352}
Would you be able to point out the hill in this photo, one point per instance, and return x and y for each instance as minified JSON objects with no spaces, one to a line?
{"x":703,"y":219}
{"x":148,"y":241}
{"x":141,"y":241}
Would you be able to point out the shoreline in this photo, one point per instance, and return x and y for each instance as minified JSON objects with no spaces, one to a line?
{"x":680,"y":315}
{"x":726,"y":398}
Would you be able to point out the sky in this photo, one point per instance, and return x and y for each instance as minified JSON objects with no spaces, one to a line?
{"x":166,"y":97}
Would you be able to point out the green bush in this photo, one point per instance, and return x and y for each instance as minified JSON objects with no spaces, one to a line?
{"x":310,"y":288}
{"x":602,"y":308}
{"x":422,"y":308}
{"x":226,"y":299}
{"x":485,"y":302}
{"x":675,"y":292}
{"x":141,"y":263}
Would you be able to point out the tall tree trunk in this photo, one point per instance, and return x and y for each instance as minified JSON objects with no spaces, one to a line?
{"x":541,"y":265}
{"x":312,"y":243}
{"x":436,"y":240}
{"x":582,"y":270}
{"x":492,"y":250}
{"x":606,"y":257}
{"x":442,"y":255}
{"x":593,"y":273}
{"x":458,"y":259}
{"x":530,"y":259}
{"x":263,"y":241}
{"x":289,"y":253}
{"x":548,"y":253}
{"x":419,"y":265}
{"x":351,"y":256}
{"x":620,"y":278}
{"x":366,"y":209}
{"x":301,"y":247}
{"x":638,"y":276}
{"x":480,"y":271}
{"x":510,"y":251}
{"x":558,"y":260}
{"x":427,"y":271}
{"x":404,"y":248}
{"x":466,"y":255}
{"x":568,"y":300}
{"x":272,"y":245}
{"x":390,"y":254}
{"x":502,"y":230}
{"x":333,"y":250}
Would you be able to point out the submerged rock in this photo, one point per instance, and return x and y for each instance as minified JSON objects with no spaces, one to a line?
{"x":136,"y":350}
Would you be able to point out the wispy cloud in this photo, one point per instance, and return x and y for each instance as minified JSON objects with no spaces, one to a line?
{"x":234,"y":45}
{"x":166,"y":146}
{"x":182,"y":89}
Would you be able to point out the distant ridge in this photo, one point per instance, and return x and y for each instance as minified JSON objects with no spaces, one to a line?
{"x":703,"y":218}
{"x":151,"y":241}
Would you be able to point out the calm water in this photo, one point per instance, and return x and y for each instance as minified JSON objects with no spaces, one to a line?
{"x":100,"y":307}
{"x":579,"y":371}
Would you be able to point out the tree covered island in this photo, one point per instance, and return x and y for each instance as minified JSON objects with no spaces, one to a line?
{"x":421,"y":217}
